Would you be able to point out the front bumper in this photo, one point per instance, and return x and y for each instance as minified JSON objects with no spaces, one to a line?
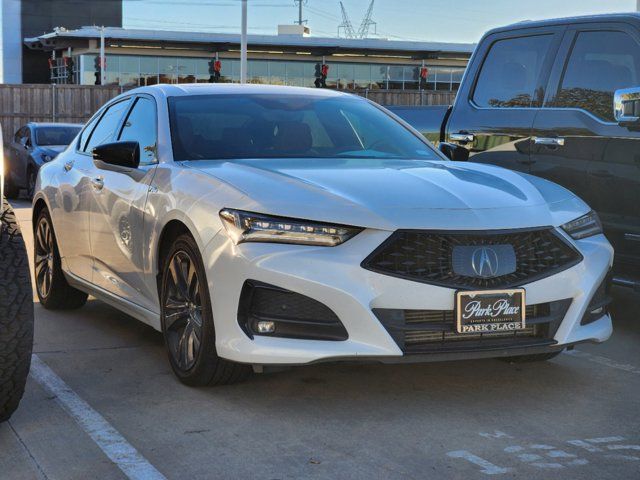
{"x":333,"y":276}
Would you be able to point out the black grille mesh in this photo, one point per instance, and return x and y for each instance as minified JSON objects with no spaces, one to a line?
{"x":426,"y":256}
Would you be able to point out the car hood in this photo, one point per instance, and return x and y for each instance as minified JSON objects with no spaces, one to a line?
{"x":52,"y":150}
{"x":391,"y":194}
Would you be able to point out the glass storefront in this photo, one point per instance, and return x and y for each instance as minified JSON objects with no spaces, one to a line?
{"x":133,"y":70}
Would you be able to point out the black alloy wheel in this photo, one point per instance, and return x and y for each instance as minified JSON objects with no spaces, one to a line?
{"x":183,"y":311}
{"x":187,"y":320}
{"x":44,"y":257}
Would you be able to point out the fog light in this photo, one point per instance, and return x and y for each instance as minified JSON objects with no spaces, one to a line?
{"x":266,"y":327}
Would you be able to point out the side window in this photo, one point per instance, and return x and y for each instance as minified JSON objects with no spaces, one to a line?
{"x":18,"y":136}
{"x":26,"y":140}
{"x":106,"y":127}
{"x":509,"y":74}
{"x":82,"y":141}
{"x":600,"y":63}
{"x":140,"y":126}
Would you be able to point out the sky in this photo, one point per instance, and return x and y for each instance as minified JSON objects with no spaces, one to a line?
{"x":422,"y":20}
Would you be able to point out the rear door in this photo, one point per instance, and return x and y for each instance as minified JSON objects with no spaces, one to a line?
{"x":495,"y":108}
{"x":576,"y":140}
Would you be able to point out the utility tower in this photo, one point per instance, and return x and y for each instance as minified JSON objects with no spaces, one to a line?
{"x":300,"y":3}
{"x":346,"y":26}
{"x":363,"y":32}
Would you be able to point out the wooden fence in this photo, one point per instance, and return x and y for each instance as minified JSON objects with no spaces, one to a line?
{"x":20,"y":104}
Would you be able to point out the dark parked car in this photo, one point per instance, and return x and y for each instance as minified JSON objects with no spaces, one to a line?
{"x":538,"y":97}
{"x":33,"y":145}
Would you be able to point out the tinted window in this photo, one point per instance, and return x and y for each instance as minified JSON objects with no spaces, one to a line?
{"x":599,"y":64}
{"x":273,"y":126}
{"x":106,"y":127}
{"x":140,"y":126}
{"x":55,"y":135}
{"x":82,"y":142}
{"x":19,"y":134}
{"x":510,"y":72}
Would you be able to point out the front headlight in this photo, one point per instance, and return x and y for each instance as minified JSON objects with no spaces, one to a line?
{"x":255,"y":227}
{"x":584,"y":226}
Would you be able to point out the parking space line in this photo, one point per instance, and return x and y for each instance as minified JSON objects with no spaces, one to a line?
{"x":110,"y":441}
{"x":627,"y":367}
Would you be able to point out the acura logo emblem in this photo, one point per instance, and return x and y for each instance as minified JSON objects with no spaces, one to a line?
{"x":484,"y":262}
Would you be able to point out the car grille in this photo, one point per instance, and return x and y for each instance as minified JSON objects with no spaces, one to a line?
{"x":425,"y":331}
{"x":426,"y":257}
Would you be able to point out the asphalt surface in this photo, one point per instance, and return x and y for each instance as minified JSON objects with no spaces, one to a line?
{"x":577,"y":416}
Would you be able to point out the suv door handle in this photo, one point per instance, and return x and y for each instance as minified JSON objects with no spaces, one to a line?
{"x":68,"y":165}
{"x":600,"y":173}
{"x":98,"y":183}
{"x":461,"y":137}
{"x":549,"y":141}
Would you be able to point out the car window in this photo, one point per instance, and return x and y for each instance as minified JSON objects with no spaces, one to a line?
{"x":288,"y":126}
{"x":55,"y":135}
{"x":140,"y":126}
{"x":82,"y":141}
{"x":510,"y":71}
{"x":107,"y":125}
{"x":18,"y":137}
{"x":600,"y":63}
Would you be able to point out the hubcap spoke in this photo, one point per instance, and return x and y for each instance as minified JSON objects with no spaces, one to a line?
{"x":44,"y":258}
{"x":182,"y":312}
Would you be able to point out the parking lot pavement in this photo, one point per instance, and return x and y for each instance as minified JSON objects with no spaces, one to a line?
{"x":576,"y":416}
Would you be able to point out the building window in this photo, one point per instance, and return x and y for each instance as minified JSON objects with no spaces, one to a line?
{"x":133,"y":70}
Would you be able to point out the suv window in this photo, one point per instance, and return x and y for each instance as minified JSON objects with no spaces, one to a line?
{"x":106,"y":127}
{"x":509,"y":74}
{"x":140,"y":126}
{"x":600,"y":63}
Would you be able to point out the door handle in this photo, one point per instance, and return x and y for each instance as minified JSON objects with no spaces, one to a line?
{"x":549,"y":141}
{"x":461,"y":137}
{"x":600,"y":173}
{"x":68,"y":165}
{"x":98,"y":183}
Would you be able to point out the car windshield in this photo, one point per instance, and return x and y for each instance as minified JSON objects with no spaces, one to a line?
{"x":55,"y":135}
{"x":295,"y":126}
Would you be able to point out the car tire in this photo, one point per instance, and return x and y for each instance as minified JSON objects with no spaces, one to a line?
{"x":54,"y":292}
{"x":187,"y":320}
{"x":16,"y":314}
{"x":32,"y":177}
{"x":536,"y":357}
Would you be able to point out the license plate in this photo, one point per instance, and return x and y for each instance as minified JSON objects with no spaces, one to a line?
{"x":490,"y":311}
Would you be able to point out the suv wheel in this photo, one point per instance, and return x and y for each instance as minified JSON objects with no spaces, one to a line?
{"x":187,"y":320}
{"x":53,"y":290}
{"x":16,"y":314}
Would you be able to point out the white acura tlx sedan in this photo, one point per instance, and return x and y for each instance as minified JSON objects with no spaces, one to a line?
{"x":260,"y":225}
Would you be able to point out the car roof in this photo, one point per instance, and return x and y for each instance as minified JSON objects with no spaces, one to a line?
{"x":607,"y":17}
{"x":185,"y":89}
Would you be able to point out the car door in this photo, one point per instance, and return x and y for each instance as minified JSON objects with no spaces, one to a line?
{"x":16,"y":151}
{"x":577,"y":141}
{"x":495,"y":108}
{"x":117,"y":215}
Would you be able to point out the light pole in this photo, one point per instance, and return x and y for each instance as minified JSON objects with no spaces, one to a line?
{"x":243,"y":44}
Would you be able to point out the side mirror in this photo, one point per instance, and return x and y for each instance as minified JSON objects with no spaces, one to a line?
{"x":119,"y":154}
{"x":454,"y":152}
{"x":626,"y":105}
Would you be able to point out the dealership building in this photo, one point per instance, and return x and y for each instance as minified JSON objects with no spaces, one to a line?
{"x":54,"y":45}
{"x":146,"y":57}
